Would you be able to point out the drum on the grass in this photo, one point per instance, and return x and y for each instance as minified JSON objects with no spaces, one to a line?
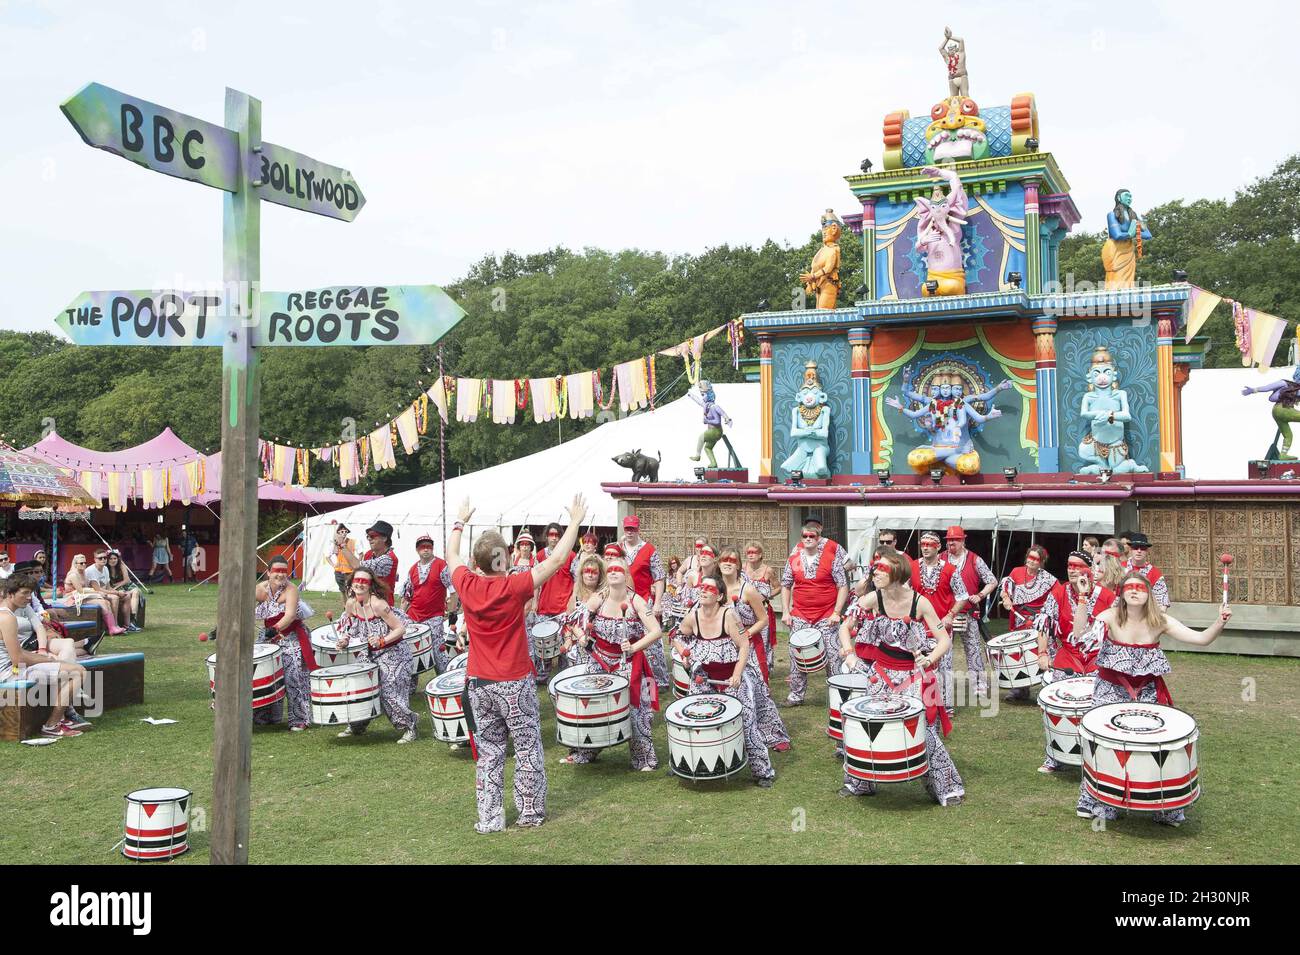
{"x":593,"y":710}
{"x":681,"y":674}
{"x":884,"y":738}
{"x":548,"y":639}
{"x":1014,"y":656}
{"x":458,"y":662}
{"x":419,"y":637}
{"x":347,"y":693}
{"x":268,"y":674}
{"x":324,"y":642}
{"x":157,"y":824}
{"x":840,"y":689}
{"x":578,"y":669}
{"x":446,"y":696}
{"x":1140,"y":756}
{"x":706,"y":737}
{"x":1063,"y":704}
{"x":807,"y":651}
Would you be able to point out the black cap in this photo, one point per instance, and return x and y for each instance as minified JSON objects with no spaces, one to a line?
{"x":382,"y":528}
{"x":1138,"y":539}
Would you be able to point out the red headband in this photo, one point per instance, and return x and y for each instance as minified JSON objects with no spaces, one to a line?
{"x":616,"y":564}
{"x":706,"y":549}
{"x":1134,"y":585}
{"x":708,"y":584}
{"x":1075,"y":562}
{"x":883,"y":565}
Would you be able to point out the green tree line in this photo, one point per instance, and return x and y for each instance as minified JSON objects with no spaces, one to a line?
{"x":561,"y":311}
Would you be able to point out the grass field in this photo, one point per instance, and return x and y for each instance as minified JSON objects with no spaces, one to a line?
{"x":318,"y":799}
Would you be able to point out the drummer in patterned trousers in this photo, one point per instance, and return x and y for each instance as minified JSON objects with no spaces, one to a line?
{"x":1082,"y":601}
{"x":281,"y":612}
{"x":978,"y":582}
{"x":646,"y":569}
{"x":750,"y":611}
{"x":814,"y":589}
{"x":1139,"y":546}
{"x":554,"y":596}
{"x":424,"y":596}
{"x":937,"y":580}
{"x":368,"y":615}
{"x":500,"y":680}
{"x":1024,"y":595}
{"x":1131,"y":666}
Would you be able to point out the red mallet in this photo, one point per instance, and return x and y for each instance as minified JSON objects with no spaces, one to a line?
{"x":1226,"y":561}
{"x":203,"y":638}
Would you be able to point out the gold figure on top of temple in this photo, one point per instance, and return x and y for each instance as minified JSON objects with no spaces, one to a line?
{"x":823,"y":277}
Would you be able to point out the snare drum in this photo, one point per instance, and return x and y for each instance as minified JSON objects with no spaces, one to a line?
{"x":446,"y":696}
{"x":324,"y":641}
{"x":458,"y":662}
{"x":347,"y":693}
{"x":1014,"y":656}
{"x":157,"y":823}
{"x":593,"y":710}
{"x":681,"y":675}
{"x":841,"y":688}
{"x":548,"y":639}
{"x":268,"y":675}
{"x":419,"y":637}
{"x":578,"y":669}
{"x":807,"y":651}
{"x":884,"y":738}
{"x":1063,"y":704}
{"x":706,"y":737}
{"x":1140,"y":756}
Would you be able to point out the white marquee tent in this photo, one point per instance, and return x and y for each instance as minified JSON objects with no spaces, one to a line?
{"x":1222,"y":429}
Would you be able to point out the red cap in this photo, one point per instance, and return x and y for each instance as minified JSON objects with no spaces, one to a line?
{"x":632,"y":521}
{"x":955,"y":533}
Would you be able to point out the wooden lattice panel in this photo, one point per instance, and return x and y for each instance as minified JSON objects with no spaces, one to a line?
{"x":1191,"y":571}
{"x":1293,"y":536}
{"x":674,"y":526}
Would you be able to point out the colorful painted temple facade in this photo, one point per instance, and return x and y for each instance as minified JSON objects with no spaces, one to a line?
{"x":1060,"y":348}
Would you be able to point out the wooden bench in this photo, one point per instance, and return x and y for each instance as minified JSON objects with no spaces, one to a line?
{"x":115,"y":679}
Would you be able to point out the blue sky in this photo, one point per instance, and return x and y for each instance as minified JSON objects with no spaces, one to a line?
{"x":483,"y":127}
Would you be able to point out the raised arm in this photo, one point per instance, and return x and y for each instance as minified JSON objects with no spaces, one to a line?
{"x":1203,"y":638}
{"x":556,"y":559}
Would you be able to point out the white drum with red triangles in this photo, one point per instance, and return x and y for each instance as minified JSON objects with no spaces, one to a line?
{"x":324,"y":642}
{"x":593,"y":710}
{"x":1063,"y":704}
{"x":348,"y":693}
{"x":446,"y":696}
{"x":884,"y":738}
{"x":419,"y":637}
{"x":1140,"y":756}
{"x":706,"y":736}
{"x":839,"y":690}
{"x":1014,"y":656}
{"x":268,"y":674}
{"x":807,"y":650}
{"x":157,"y":823}
{"x":681,"y":675}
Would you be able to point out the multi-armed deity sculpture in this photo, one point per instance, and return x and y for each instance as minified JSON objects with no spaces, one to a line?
{"x":949,"y":417}
{"x":810,"y":428}
{"x":822,"y":279}
{"x":1105,"y":409}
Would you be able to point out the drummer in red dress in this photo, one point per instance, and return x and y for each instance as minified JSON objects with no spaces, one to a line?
{"x":647,"y":577}
{"x":763,"y":577}
{"x":814,"y":589}
{"x":553,"y":598}
{"x":1139,"y":547}
{"x":894,"y":635}
{"x":1024,"y":593}
{"x":1131,"y":667}
{"x":1083,"y":600}
{"x":424,"y":596}
{"x":748,"y":604}
{"x":978,"y":582}
{"x":938,"y":581}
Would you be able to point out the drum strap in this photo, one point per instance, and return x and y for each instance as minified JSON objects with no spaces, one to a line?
{"x":882,"y":659}
{"x":756,"y":647}
{"x":640,"y":671}
{"x":297,"y":632}
{"x":1133,"y":684}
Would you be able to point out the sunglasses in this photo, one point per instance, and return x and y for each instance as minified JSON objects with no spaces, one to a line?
{"x":810,"y":537}
{"x":887,"y":540}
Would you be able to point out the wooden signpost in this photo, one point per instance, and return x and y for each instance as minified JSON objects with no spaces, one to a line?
{"x":240,"y":318}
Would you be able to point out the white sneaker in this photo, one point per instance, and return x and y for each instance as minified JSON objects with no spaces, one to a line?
{"x":408,"y":736}
{"x":347,"y":731}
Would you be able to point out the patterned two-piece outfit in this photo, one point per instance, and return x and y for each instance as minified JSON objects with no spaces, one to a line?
{"x":297,"y":686}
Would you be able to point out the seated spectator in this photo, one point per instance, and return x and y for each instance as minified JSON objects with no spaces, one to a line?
{"x":42,"y":666}
{"x":97,"y":578}
{"x":76,"y":586}
{"x":120,"y":581}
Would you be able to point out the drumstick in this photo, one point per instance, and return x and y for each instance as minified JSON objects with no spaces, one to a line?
{"x":1226,"y":561}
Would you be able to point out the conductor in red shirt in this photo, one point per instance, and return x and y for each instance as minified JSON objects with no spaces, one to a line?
{"x":500,"y":679}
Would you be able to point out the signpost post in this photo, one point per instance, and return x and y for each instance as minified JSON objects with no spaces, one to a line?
{"x":240,"y":318}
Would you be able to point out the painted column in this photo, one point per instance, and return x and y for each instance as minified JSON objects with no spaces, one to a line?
{"x":860,"y":343}
{"x":765,"y":402}
{"x":1165,"y":398}
{"x":1182,"y":372}
{"x":1049,"y":451}
{"x":1033,"y":241}
{"x":869,"y":246}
